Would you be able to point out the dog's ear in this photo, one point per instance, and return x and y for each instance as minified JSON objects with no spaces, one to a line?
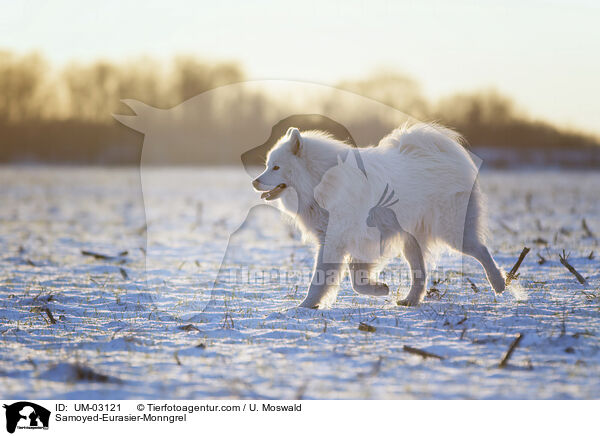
{"x":295,"y":139}
{"x":351,"y":160}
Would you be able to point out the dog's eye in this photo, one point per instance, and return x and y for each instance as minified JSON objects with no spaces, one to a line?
{"x":275,"y":168}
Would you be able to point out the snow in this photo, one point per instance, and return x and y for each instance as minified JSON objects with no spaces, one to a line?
{"x":147,"y":325}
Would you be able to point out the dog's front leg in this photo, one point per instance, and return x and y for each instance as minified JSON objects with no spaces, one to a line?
{"x":414,"y":257}
{"x":325,"y":281}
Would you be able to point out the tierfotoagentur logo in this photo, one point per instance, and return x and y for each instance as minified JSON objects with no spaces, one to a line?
{"x":24,"y":415}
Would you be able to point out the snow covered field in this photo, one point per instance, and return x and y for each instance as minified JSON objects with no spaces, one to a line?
{"x":83,"y":326}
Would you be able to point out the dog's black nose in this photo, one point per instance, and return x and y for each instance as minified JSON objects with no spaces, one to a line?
{"x":255,"y":183}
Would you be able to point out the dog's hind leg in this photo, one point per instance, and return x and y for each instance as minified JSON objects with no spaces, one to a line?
{"x":414,"y":257}
{"x":325,"y":281}
{"x":474,"y":246}
{"x":476,"y":249}
{"x":360,"y":276}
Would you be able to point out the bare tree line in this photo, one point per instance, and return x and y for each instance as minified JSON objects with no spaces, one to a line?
{"x":32,"y":90}
{"x":64,"y":114}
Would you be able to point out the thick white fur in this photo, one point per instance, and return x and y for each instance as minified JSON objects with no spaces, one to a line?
{"x":329,"y":196}
{"x":431,"y":174}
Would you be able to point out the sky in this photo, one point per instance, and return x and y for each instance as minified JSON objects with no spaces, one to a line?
{"x":544,"y":54}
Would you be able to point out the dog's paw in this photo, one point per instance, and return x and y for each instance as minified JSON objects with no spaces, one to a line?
{"x":308,"y":305}
{"x":499,"y":284}
{"x":375,"y":290}
{"x":407,"y":302}
{"x":381,"y":289}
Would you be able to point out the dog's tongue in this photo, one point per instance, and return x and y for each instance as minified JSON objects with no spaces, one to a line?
{"x":273,"y":192}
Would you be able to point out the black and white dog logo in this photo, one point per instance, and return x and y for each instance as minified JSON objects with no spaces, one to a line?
{"x":26,"y":415}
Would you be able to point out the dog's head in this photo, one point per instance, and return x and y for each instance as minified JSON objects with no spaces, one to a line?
{"x":283,"y":161}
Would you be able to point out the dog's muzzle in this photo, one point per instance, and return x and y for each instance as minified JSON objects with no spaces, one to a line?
{"x":273,"y":193}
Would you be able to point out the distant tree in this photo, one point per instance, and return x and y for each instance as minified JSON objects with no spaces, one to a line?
{"x":192,"y":77}
{"x":92,"y":90}
{"x":21,"y":86}
{"x":145,"y":79}
{"x":479,"y":108}
{"x":487,"y":118}
{"x":393,"y":89}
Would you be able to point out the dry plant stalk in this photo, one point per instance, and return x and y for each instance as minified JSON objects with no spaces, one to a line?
{"x":513,"y":272}
{"x":586,"y":229}
{"x":473,"y":286}
{"x":563,"y":259}
{"x":510,"y":351}
{"x":424,"y":354}
{"x":542,"y":259}
{"x":364,"y":327}
{"x":50,"y":316}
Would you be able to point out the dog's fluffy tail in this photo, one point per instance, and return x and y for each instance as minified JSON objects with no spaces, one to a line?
{"x":426,"y":139}
{"x":433,"y":147}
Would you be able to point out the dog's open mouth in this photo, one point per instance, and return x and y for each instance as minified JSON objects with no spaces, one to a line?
{"x":273,"y":193}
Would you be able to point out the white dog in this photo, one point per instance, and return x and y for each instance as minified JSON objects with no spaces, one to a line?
{"x":416,"y":190}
